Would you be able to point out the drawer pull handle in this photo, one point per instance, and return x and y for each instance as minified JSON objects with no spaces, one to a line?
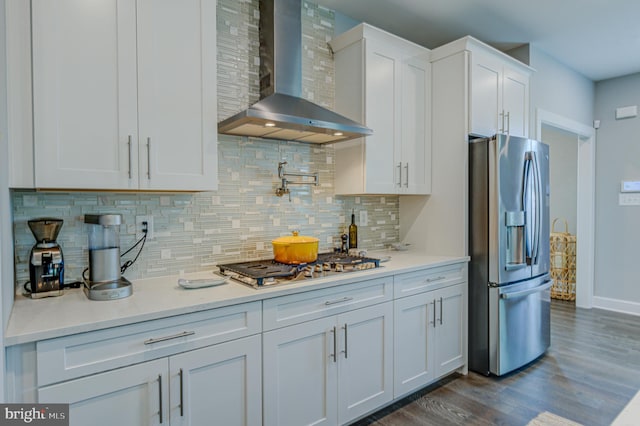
{"x":333,"y":302}
{"x":440,"y":278}
{"x":175,"y":336}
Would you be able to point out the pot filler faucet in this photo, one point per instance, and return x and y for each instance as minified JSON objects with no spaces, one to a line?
{"x":284,"y":189}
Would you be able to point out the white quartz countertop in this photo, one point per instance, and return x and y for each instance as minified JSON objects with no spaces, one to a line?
{"x":38,"y":319}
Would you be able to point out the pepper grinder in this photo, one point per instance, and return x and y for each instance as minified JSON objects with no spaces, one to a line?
{"x":344,"y":237}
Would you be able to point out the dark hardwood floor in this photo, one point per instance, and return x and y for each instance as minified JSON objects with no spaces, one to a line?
{"x":588,"y":375}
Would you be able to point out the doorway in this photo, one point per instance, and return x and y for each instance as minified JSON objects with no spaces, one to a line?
{"x":548,"y":123}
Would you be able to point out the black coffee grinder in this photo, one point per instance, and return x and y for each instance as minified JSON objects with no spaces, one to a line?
{"x":46,"y":265}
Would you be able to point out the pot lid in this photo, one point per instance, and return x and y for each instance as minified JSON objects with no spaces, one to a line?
{"x":295,"y":238}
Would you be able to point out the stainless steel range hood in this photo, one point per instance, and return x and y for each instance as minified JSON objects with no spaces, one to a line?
{"x":281,"y":113}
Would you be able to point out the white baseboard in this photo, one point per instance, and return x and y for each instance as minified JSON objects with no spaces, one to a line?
{"x":616,"y":305}
{"x":630,"y":414}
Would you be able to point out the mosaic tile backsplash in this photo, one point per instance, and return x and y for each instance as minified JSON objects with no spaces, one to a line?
{"x":195,"y":231}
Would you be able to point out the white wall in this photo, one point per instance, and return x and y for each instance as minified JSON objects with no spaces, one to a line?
{"x":559,"y":90}
{"x":617,"y":231}
{"x":563,"y":176}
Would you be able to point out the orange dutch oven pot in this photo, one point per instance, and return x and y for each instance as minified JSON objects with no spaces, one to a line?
{"x":295,"y":249}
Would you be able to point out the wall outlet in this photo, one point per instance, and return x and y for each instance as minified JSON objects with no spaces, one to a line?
{"x":364,"y":218}
{"x":139,"y":226}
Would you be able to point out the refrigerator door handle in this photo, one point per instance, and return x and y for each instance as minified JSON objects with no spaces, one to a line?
{"x":538,"y":210}
{"x":515,"y":294}
{"x":526,"y":192}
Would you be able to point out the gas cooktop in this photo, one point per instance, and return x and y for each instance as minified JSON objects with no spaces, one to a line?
{"x":262,"y":273}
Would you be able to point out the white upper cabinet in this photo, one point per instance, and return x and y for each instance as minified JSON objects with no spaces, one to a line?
{"x":498,"y":90}
{"x":124,"y":94}
{"x":499,"y":96}
{"x":384,"y":82}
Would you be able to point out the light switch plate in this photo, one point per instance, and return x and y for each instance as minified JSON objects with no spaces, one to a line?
{"x":629,"y":199}
{"x":627,"y":112}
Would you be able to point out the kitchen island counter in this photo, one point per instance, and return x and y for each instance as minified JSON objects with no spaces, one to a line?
{"x":154,"y":298}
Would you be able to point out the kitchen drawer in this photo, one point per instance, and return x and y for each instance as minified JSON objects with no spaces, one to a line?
{"x":296,"y":308}
{"x":78,"y":355}
{"x":429,"y":279}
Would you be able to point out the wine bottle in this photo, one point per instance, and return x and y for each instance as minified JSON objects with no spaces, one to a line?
{"x":353,"y":232}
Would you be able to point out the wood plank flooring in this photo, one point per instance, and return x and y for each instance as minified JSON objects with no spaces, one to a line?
{"x":590,"y":372}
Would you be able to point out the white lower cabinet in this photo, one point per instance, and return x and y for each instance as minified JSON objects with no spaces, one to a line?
{"x":429,"y":337}
{"x":330,"y":370}
{"x":220,"y":384}
{"x":132,"y":395}
{"x":322,"y":357}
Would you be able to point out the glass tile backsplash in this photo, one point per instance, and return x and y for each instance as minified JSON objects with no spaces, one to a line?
{"x":194,"y":231}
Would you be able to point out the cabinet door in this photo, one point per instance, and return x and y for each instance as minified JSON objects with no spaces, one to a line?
{"x":219,"y":384}
{"x":177,"y":86}
{"x":365,"y":360}
{"x":486,"y":95}
{"x":450,"y":329}
{"x":133,"y":395}
{"x":515,"y":101}
{"x":414,"y":325}
{"x":415,"y":146}
{"x":382,"y":75}
{"x":84,"y":94}
{"x":299,"y":373}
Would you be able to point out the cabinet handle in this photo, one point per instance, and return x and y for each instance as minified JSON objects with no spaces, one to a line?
{"x":346,"y":344}
{"x":508,"y":114}
{"x":181,"y":398}
{"x":149,"y":158}
{"x":335,"y":343}
{"x":434,"y":313}
{"x":129,"y":145}
{"x":333,"y":302}
{"x":160,"y":394}
{"x":400,"y":174}
{"x":501,"y":115}
{"x":441,"y":311}
{"x":440,"y":278}
{"x":406,"y":182}
{"x":162,"y":339}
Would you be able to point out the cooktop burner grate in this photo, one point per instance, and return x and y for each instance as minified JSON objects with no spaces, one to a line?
{"x":257,"y":273}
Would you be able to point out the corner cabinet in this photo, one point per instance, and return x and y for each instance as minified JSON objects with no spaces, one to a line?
{"x":124,"y":94}
{"x":384,"y":82}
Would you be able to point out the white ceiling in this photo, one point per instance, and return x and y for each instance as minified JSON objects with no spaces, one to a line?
{"x":598,"y":38}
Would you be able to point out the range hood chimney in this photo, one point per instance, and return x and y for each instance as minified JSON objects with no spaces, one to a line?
{"x":281,"y":113}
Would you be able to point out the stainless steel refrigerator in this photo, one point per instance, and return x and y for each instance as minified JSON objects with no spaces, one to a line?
{"x":509,"y":283}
